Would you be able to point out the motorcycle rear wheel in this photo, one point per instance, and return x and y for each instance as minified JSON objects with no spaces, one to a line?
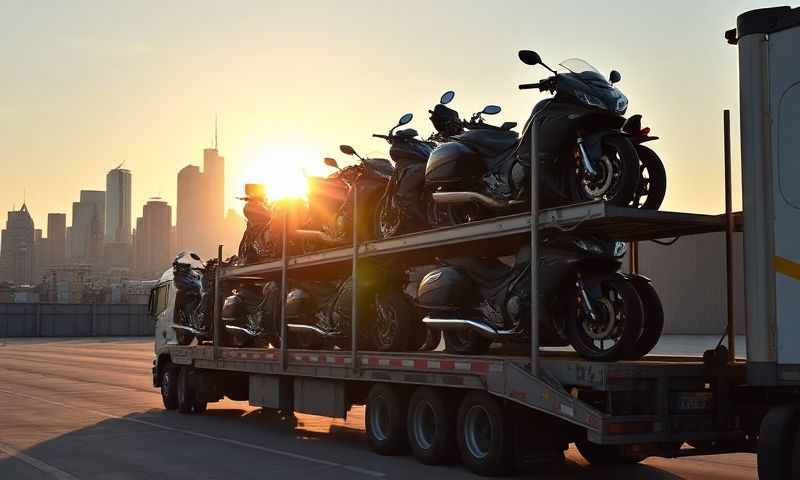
{"x":465,"y":342}
{"x":392,"y":328}
{"x":621,"y":306}
{"x":619,"y":175}
{"x":653,"y":187}
{"x":653,"y":323}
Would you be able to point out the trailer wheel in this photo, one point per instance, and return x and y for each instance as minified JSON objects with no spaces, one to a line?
{"x":431,"y":426}
{"x":385,"y":419}
{"x":169,"y":386}
{"x":606,"y":454}
{"x":485,"y":435}
{"x":779,"y":432}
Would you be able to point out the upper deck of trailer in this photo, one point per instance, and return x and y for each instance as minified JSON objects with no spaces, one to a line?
{"x":625,"y":224}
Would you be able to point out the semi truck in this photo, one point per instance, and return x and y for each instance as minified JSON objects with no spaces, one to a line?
{"x":499,"y":411}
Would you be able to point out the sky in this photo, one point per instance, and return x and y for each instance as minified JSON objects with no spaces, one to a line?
{"x":89,"y":85}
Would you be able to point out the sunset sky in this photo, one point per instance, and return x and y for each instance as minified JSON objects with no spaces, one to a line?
{"x":88,"y":85}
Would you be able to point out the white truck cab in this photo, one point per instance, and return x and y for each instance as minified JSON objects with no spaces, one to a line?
{"x":162,"y":309}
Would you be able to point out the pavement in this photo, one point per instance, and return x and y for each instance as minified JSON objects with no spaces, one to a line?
{"x":85,"y":409}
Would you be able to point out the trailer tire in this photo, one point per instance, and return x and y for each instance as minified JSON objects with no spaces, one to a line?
{"x":485,"y":435}
{"x":385,"y":420}
{"x":606,"y":454}
{"x":779,"y":432}
{"x":169,"y":385}
{"x":431,"y":426}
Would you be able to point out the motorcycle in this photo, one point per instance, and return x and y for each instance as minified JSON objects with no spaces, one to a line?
{"x":194,"y":298}
{"x":584,"y":301}
{"x":330,"y":224}
{"x":585,"y":147}
{"x":250,"y":316}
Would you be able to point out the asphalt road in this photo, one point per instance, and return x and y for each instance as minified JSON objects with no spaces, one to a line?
{"x":85,"y":409}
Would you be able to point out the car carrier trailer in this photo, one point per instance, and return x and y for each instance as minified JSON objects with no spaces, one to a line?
{"x":506,"y":410}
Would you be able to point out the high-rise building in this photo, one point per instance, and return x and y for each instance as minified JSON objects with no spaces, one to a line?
{"x":88,"y":225}
{"x":153,"y":238}
{"x":201,"y":204}
{"x":56,"y":239}
{"x":118,"y":206}
{"x":17,"y":243}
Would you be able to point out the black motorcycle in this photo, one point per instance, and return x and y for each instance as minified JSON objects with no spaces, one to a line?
{"x":583,"y":301}
{"x":403,"y":207}
{"x":584,"y":146}
{"x":251,"y":316}
{"x":326,"y":228}
{"x":194,"y":298}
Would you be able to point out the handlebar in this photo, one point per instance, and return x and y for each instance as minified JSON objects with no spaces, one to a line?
{"x":385,"y":137}
{"x":543,"y":85}
{"x":530,"y":86}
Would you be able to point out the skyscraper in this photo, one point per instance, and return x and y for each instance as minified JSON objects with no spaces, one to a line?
{"x":17,"y":242}
{"x":56,"y":239}
{"x":153,"y":238}
{"x":201,"y":204}
{"x":118,"y":206}
{"x":88,"y":225}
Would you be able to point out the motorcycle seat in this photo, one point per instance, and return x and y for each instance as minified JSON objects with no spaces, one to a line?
{"x":489,"y":142}
{"x":485,"y":271}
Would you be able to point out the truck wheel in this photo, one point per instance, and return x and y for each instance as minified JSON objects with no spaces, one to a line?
{"x":385,"y":420}
{"x":606,"y":454}
{"x":185,"y":394}
{"x":169,"y":386}
{"x":779,"y":432}
{"x":431,"y":426}
{"x":485,"y":435}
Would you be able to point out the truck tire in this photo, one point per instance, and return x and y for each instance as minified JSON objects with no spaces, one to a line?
{"x":169,"y":386}
{"x":485,"y":435}
{"x":385,"y":420}
{"x":606,"y":454}
{"x":187,"y":400}
{"x":431,"y":426}
{"x":779,"y":432}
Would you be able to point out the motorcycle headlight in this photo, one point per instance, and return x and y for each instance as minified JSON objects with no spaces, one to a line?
{"x":590,"y":100}
{"x":620,"y":248}
{"x":622,"y":104}
{"x":589,"y":247}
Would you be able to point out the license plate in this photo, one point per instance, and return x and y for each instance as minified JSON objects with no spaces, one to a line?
{"x":691,"y":401}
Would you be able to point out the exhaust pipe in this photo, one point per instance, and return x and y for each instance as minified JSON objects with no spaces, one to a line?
{"x":191,"y":330}
{"x":243,"y":330}
{"x":317,"y":236}
{"x":310,"y":329}
{"x":467,"y":197}
{"x":487,"y":331}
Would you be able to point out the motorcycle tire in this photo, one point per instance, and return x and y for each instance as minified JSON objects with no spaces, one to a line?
{"x":305,"y":341}
{"x":617,"y":292}
{"x":392,"y":327}
{"x":653,"y":323}
{"x":465,"y":342}
{"x":627,"y":165}
{"x":654,"y":186}
{"x":383,"y":227}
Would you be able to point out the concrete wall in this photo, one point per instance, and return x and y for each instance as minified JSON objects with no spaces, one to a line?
{"x":73,"y":320}
{"x":690,"y":279}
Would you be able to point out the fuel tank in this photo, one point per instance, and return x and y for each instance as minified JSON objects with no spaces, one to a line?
{"x":447,"y":288}
{"x":452,"y":164}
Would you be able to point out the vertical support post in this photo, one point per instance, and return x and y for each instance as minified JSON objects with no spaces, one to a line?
{"x":635,"y":257}
{"x":534,"y":252}
{"x":354,"y":308}
{"x":217,"y":333}
{"x":284,"y":281}
{"x":730,"y":329}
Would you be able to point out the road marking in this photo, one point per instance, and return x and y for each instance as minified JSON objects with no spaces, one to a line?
{"x":238,"y":443}
{"x":36,"y":463}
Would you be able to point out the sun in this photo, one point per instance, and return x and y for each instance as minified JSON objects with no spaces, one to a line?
{"x":282,"y":170}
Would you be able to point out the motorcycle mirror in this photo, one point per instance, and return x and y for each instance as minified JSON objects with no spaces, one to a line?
{"x":614,"y":76}
{"x":491,"y":110}
{"x":347,"y":149}
{"x":447,"y":97}
{"x":405,"y":119}
{"x":529,"y":57}
{"x":331,"y":162}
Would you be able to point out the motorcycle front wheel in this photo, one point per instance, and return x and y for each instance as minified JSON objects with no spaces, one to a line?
{"x":388,"y":221}
{"x":617,"y":325}
{"x":393,"y":326}
{"x":617,"y":179}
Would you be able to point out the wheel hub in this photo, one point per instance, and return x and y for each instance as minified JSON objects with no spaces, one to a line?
{"x":605,"y":323}
{"x":598,"y":186}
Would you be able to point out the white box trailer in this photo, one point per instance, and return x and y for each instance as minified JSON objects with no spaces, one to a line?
{"x":506,"y":410}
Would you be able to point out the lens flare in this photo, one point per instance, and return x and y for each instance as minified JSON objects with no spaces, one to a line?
{"x":282,"y":169}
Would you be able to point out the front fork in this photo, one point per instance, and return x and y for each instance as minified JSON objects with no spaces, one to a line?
{"x":585,"y":161}
{"x":587,"y":304}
